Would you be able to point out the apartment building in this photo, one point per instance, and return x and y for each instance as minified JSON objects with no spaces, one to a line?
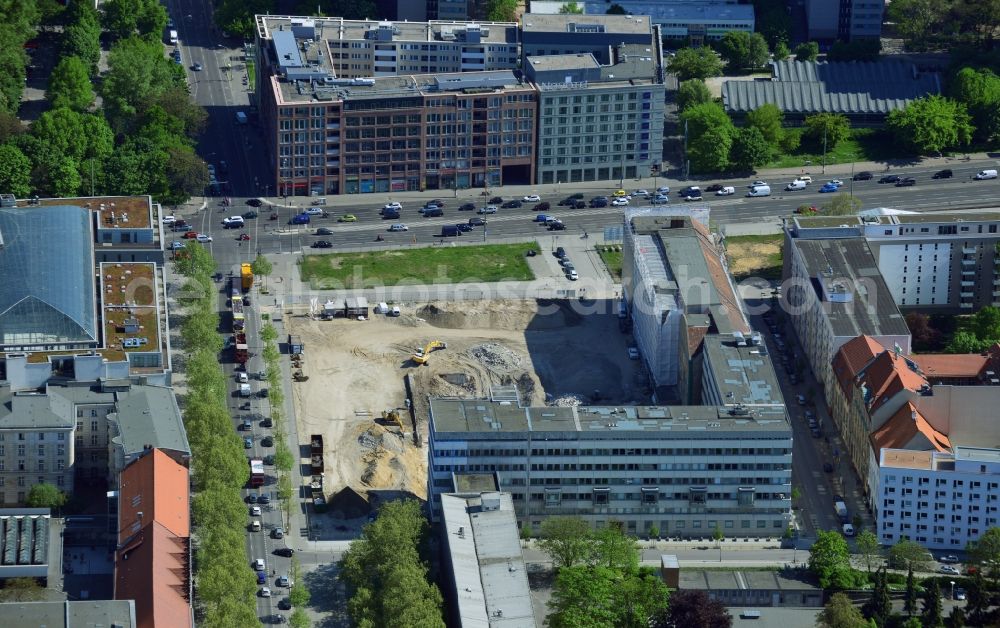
{"x":683,"y":469}
{"x":36,"y":444}
{"x":834,"y":292}
{"x":364,"y":48}
{"x":942,"y":500}
{"x":599,"y":122}
{"x":737,"y":372}
{"x":677,"y":291}
{"x":945,"y":263}
{"x":686,"y":21}
{"x":844,"y":20}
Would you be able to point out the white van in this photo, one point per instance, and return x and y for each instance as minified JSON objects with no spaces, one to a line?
{"x":172,"y":38}
{"x":726,"y":191}
{"x":848,"y":529}
{"x":255,"y":526}
{"x":806,"y":178}
{"x":760,"y":190}
{"x":797,"y":184}
{"x":985,"y":174}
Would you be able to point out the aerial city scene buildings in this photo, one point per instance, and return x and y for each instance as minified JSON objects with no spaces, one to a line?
{"x":499,"y":313}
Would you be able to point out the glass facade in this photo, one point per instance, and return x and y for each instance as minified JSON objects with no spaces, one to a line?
{"x":47,"y":294}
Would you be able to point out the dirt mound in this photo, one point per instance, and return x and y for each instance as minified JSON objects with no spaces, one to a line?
{"x":497,"y":357}
{"x":509,"y":315}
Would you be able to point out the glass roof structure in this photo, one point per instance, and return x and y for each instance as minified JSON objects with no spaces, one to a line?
{"x":47,"y":294}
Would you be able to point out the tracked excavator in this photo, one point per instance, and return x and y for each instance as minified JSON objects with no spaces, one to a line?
{"x":422,"y":355}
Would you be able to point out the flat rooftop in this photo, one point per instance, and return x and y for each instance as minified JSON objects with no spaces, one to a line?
{"x":475,"y":482}
{"x":947,"y":218}
{"x":129,"y":307}
{"x":742,"y":580}
{"x":415,"y":86}
{"x":744,"y":375}
{"x":586,"y":24}
{"x":849,"y":272}
{"x":635,"y":64}
{"x":70,"y":614}
{"x":484,"y":416}
{"x":656,"y":12}
{"x":906,"y":459}
{"x":484,"y":550}
{"x":135,"y":209}
{"x":977,"y":454}
{"x":444,"y":31}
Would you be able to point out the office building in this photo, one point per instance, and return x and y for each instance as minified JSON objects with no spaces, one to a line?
{"x":572,"y":34}
{"x":684,"y":22}
{"x":677,"y":290}
{"x":834,"y":292}
{"x":940,"y":499}
{"x":483,"y":566}
{"x":599,"y":122}
{"x":737,"y":372}
{"x":345,"y":49}
{"x":31,"y":546}
{"x":754,"y":588}
{"x":844,"y":20}
{"x":939,"y":263}
{"x":684,"y":470}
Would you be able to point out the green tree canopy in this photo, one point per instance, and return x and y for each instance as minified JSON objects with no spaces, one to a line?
{"x":501,"y":10}
{"x":598,"y":596}
{"x":830,"y":562}
{"x":566,"y":540}
{"x":616,"y":9}
{"x":985,"y":552}
{"x":910,"y":597}
{"x":743,"y":51}
{"x":807,"y":51}
{"x":571,"y":8}
{"x":781,"y":51}
{"x":710,"y":151}
{"x":979,"y":91}
{"x":138,"y":74}
{"x":839,"y":612}
{"x":931,"y":614}
{"x":15,"y":171}
{"x":124,"y":18}
{"x":931,"y":124}
{"x":868,"y":548}
{"x":907,"y":554}
{"x":705,"y":116}
{"x":842,"y":204}
{"x":769,"y":120}
{"x":693,"y":607}
{"x":692,"y":92}
{"x":772,"y":21}
{"x":749,"y":149}
{"x":879,"y":606}
{"x":695,"y":63}
{"x":831,"y":128}
{"x":237,"y":16}
{"x":69,"y":85}
{"x":45,"y":495}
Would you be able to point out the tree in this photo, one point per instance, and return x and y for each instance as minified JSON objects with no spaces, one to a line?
{"x":15,"y":171}
{"x":925,"y":336}
{"x":501,"y":10}
{"x":699,"y":63}
{"x":22,"y":590}
{"x":692,"y":92}
{"x":956,"y":619}
{"x":861,"y":50}
{"x":839,"y":612}
{"x":910,"y":598}
{"x":868,"y":548}
{"x":879,"y":606}
{"x":743,"y":51}
{"x":807,"y":51}
{"x":977,"y":598}
{"x":830,"y":561}
{"x":702,"y":117}
{"x":570,"y":7}
{"x":299,"y":619}
{"x":985,"y":324}
{"x":45,"y":495}
{"x":917,"y":21}
{"x":566,"y":540}
{"x":769,"y":120}
{"x":614,"y":549}
{"x":772,"y":21}
{"x":781,"y":51}
{"x":69,"y":85}
{"x":907,"y":554}
{"x":842,"y":204}
{"x":138,"y":73}
{"x":186,"y":175}
{"x":616,"y":9}
{"x":749,"y":149}
{"x":932,"y":604}
{"x":693,"y":607}
{"x":913,"y":622}
{"x":985,"y":552}
{"x":262,"y":268}
{"x":710,"y":151}
{"x":931,"y":124}
{"x":583,"y":596}
{"x":979,"y":91}
{"x":965,"y":342}
{"x":826,"y":130}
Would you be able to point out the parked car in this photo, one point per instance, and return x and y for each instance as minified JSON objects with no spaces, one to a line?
{"x":464,"y":227}
{"x":250,"y":215}
{"x":393,"y":205}
{"x":175,"y":245}
{"x":948,"y":559}
{"x":572,"y":275}
{"x":948,"y":569}
{"x":889,"y":178}
{"x":689,"y":190}
{"x":267,"y":441}
{"x":248,"y":442}
{"x":579,"y":204}
{"x":560,"y":252}
{"x":943,"y":174}
{"x":692,"y":197}
{"x":557,"y":225}
{"x":663,"y":189}
{"x":641,"y":193}
{"x":598,"y":202}
{"x":254,"y":202}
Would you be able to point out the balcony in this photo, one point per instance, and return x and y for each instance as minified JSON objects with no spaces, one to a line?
{"x":332,"y":126}
{"x":968,"y":262}
{"x":969,"y":271}
{"x":966,"y":295}
{"x":964,"y":305}
{"x":968,"y":250}
{"x":967,"y":284}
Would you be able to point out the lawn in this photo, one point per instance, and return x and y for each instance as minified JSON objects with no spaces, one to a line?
{"x":431,"y":265}
{"x":755,"y":256}
{"x":611,"y":255}
{"x":862,"y":145}
{"x":252,"y":75}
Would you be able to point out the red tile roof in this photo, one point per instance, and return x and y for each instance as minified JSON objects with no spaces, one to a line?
{"x":720,"y":278}
{"x":853,"y":356}
{"x":955,"y":366}
{"x":152,"y":565}
{"x":887,"y":375}
{"x":902,"y":427}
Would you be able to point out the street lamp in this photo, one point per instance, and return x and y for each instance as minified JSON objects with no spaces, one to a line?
{"x":953,"y":589}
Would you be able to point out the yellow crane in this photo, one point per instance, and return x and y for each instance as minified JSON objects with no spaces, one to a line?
{"x":421,"y":356}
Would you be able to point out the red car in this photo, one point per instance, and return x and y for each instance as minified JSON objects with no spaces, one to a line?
{"x":244,"y":237}
{"x":190,"y":235}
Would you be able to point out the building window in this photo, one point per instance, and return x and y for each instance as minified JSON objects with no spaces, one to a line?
{"x":601,"y":496}
{"x":697,"y":496}
{"x":745,"y":496}
{"x":650,"y":496}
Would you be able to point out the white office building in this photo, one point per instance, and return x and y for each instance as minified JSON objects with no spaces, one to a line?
{"x":941,"y":500}
{"x":682,"y":469}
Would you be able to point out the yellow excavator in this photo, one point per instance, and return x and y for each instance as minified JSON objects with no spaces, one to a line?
{"x":421,"y":356}
{"x":391,"y":417}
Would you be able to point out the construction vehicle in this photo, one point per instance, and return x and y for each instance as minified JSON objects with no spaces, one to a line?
{"x":391,"y":417}
{"x":317,"y":493}
{"x":316,"y":453}
{"x":422,"y":355}
{"x":299,"y":376}
{"x":246,"y":277}
{"x":295,"y":344}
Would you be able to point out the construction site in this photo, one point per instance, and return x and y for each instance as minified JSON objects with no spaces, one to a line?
{"x":356,"y":374}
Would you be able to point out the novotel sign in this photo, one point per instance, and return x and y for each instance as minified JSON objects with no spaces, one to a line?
{"x":565,"y":85}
